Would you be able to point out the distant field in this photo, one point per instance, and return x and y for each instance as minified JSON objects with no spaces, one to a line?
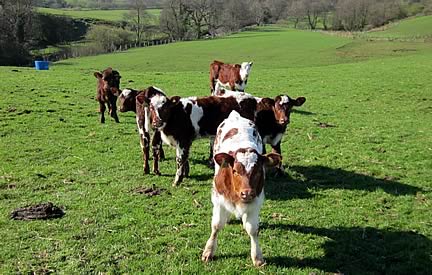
{"x":106,"y":15}
{"x":416,"y":27}
{"x":356,"y":197}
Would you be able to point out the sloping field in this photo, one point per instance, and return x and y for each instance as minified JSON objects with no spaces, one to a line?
{"x":105,"y":15}
{"x":416,"y":27}
{"x":355,"y":199}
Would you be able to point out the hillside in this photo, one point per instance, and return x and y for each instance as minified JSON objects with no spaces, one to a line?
{"x":355,"y":198}
{"x":410,"y":28}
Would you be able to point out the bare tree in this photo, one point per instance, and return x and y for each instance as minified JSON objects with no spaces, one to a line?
{"x":277,"y":8}
{"x":138,"y":19}
{"x":259,"y":11}
{"x":199,"y":13}
{"x":174,"y":18}
{"x":16,"y":18}
{"x":352,"y":15}
{"x":295,"y":12}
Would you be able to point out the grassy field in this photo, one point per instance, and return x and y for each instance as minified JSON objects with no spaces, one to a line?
{"x":105,"y":15}
{"x":356,"y":198}
{"x":411,"y":28}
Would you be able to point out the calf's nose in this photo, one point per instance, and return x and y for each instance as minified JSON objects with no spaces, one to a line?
{"x":247,"y":194}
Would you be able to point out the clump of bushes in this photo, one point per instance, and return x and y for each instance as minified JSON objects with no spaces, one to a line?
{"x":109,"y":38}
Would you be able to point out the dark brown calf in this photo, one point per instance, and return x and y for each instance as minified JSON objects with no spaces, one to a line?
{"x":138,"y":102}
{"x":107,"y":92}
{"x":273,"y":117}
{"x":232,"y":76}
{"x":182,"y":120}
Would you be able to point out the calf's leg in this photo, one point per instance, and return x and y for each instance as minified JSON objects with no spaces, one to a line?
{"x":182,"y":156}
{"x":113,"y":109}
{"x":145,"y":144}
{"x":280,"y":170}
{"x":102,"y":111}
{"x":210,"y":159}
{"x":250,"y":224}
{"x":157,"y":147}
{"x":219,"y":219}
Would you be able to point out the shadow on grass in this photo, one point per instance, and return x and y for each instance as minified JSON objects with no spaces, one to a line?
{"x":301,"y":112}
{"x":358,"y":250}
{"x":321,"y":177}
{"x":63,"y":64}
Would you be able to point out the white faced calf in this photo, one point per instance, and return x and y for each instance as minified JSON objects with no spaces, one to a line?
{"x":238,"y":184}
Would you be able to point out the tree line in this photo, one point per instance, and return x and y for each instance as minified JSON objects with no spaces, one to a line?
{"x":23,"y":30}
{"x":197,"y":18}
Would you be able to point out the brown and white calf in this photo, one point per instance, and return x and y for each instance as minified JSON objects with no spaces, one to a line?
{"x":238,"y":183}
{"x":182,"y":120}
{"x":231,"y":76}
{"x":272,"y":117}
{"x":108,"y":89}
{"x":138,"y":102}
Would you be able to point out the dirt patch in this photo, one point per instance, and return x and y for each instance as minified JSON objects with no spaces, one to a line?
{"x":41,"y":211}
{"x":149,"y":191}
{"x":325,"y":125}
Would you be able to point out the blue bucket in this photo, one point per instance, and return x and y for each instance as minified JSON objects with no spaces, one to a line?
{"x":42,"y":65}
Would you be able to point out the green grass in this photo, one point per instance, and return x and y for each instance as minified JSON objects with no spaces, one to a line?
{"x":105,"y":15}
{"x":356,"y":198}
{"x":415,"y":27}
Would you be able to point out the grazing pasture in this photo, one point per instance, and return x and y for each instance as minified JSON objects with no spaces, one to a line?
{"x":106,"y":15}
{"x":410,"y":28}
{"x":356,"y":197}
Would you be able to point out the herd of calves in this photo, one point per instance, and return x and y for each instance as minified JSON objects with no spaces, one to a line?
{"x":240,"y":123}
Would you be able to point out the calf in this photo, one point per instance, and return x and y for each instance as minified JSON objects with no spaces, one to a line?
{"x":138,"y":102}
{"x":107,"y":92}
{"x":238,"y":183}
{"x":232,"y":76}
{"x":272,"y":117}
{"x":182,"y":120}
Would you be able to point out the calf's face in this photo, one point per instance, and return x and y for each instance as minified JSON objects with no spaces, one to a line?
{"x":241,"y":177}
{"x":127,"y":100}
{"x":283,"y":106}
{"x":245,"y":70}
{"x":161,"y":108}
{"x":111,"y":80}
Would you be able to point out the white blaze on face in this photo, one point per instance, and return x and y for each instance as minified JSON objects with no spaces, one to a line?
{"x":248,"y":159}
{"x":245,"y":70}
{"x":158,"y":89}
{"x":126,"y":93}
{"x":157,"y":102}
{"x":284,"y":100}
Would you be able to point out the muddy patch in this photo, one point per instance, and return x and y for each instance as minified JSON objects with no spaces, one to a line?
{"x":149,"y":191}
{"x":41,"y":211}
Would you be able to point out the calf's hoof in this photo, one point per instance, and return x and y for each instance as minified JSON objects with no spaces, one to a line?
{"x":146,"y":171}
{"x":161,"y":155}
{"x":207,"y":256}
{"x":157,"y":172}
{"x":258,"y":262}
{"x":178,"y":179}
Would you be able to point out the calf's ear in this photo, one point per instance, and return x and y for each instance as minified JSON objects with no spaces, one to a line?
{"x":175,"y":100}
{"x":271,"y":159}
{"x":223,"y":160}
{"x":141,"y":99}
{"x":299,"y":101}
{"x":250,"y":63}
{"x":97,"y":74}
